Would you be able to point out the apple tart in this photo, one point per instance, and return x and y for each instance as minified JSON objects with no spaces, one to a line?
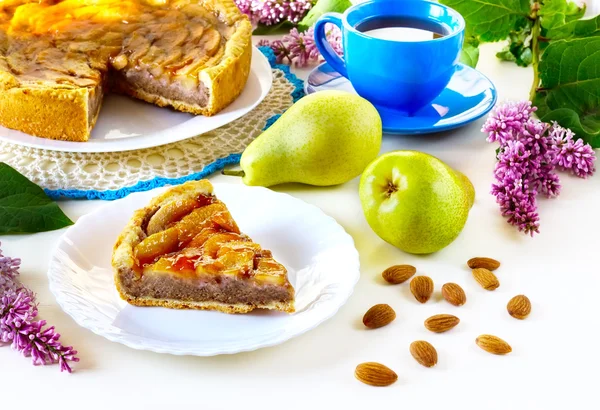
{"x":59,"y":57}
{"x":185,"y":251}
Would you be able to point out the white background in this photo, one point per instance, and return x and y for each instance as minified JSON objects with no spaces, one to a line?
{"x":555,"y":351}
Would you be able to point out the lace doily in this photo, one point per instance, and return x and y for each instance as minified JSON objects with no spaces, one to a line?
{"x":117,"y":174}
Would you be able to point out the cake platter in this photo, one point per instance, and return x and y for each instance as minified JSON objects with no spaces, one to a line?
{"x":321,"y":259}
{"x":126,"y":124}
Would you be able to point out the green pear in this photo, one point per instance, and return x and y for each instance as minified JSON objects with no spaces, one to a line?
{"x":468,"y":187}
{"x":326,"y":138}
{"x":414,"y":201}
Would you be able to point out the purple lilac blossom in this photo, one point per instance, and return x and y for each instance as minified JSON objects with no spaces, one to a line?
{"x":571,"y":155}
{"x":530,"y":151}
{"x":300,"y":48}
{"x":334,"y":36}
{"x":271,"y":12}
{"x":18,"y":326}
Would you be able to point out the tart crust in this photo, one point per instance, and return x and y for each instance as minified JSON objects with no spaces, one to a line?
{"x":227,"y":290}
{"x":67,"y":110}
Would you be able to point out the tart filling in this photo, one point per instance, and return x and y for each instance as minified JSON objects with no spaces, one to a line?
{"x":186,"y":251}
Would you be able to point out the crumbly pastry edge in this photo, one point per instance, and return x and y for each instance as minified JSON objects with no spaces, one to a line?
{"x":227,"y":79}
{"x":28,"y":109}
{"x":221,"y":307}
{"x":123,"y":258}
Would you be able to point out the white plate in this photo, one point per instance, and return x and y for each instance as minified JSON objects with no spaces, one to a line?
{"x":320,"y":256}
{"x":127,"y":124}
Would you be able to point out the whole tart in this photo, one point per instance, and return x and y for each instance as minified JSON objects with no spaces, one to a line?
{"x":185,"y":251}
{"x":59,"y":57}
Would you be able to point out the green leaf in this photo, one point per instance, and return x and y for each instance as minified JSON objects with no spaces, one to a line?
{"x":24,"y":207}
{"x":506,"y":55}
{"x":279,"y":28}
{"x":322,"y":7}
{"x":575,"y":29}
{"x":519,"y":47}
{"x":554,"y":13}
{"x":569,"y":92}
{"x":521,"y":56}
{"x":525,"y":57}
{"x":492,"y":20}
{"x":586,"y":127}
{"x":470,"y":52}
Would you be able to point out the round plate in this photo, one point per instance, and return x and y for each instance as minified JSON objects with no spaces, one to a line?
{"x":468,"y":96}
{"x":127,"y":124}
{"x":320,"y":256}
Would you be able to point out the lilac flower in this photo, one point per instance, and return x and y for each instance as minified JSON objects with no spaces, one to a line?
{"x":18,"y":326}
{"x":507,"y":120}
{"x":263,"y":42}
{"x":281,"y":51}
{"x":569,"y":155}
{"x":518,"y":202}
{"x":245,"y":6}
{"x":530,"y":150}
{"x":302,"y":46}
{"x":334,"y":36}
{"x":549,"y":184}
{"x":271,"y":12}
{"x":9,"y":269}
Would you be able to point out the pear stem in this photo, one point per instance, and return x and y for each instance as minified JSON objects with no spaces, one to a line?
{"x":233,"y":173}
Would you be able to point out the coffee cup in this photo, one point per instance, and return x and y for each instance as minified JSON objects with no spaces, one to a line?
{"x":404,"y":73}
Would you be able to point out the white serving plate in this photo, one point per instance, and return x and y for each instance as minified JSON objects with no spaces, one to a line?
{"x":127,"y":124}
{"x":320,"y":256}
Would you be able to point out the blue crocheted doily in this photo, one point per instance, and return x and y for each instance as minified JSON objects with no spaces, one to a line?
{"x":207,"y":170}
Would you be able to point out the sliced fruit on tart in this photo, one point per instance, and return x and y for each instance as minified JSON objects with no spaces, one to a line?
{"x":185,"y":251}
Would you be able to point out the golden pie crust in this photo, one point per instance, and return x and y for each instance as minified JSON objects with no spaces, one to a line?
{"x":59,"y":57}
{"x":185,"y":251}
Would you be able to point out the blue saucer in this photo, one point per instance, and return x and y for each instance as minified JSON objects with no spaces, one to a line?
{"x":468,"y":96}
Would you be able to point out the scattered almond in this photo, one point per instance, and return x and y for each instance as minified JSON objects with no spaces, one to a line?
{"x":398,"y":273}
{"x":486,"y":278}
{"x":454,"y":294}
{"x":486,"y":263}
{"x":441,"y":323}
{"x":424,"y":353}
{"x":421,"y":288}
{"x":375,"y":374}
{"x":519,"y":307}
{"x":493,"y":344}
{"x":379,"y":316}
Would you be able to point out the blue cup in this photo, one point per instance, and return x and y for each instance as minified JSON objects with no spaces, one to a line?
{"x":400,"y":75}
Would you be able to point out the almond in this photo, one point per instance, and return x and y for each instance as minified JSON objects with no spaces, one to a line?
{"x":486,"y":263}
{"x":378,"y":316}
{"x":441,"y":323}
{"x":486,"y":278}
{"x":454,"y":294}
{"x":519,"y":307}
{"x":424,"y":353}
{"x":375,"y":374}
{"x":493,"y":344}
{"x":421,"y":288}
{"x":398,"y":273}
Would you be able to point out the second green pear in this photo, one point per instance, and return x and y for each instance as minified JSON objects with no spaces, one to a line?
{"x":326,"y":138}
{"x":415,"y":201}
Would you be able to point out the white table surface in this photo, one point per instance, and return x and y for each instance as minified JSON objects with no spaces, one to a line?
{"x":554,"y":355}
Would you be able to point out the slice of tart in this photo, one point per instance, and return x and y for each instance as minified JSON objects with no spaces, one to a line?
{"x":185,"y":251}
